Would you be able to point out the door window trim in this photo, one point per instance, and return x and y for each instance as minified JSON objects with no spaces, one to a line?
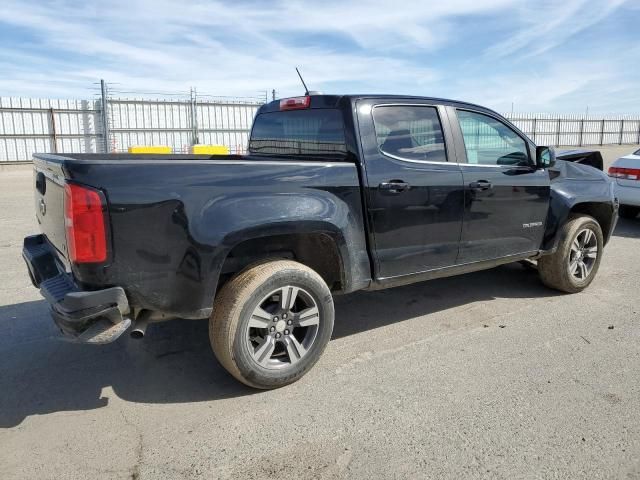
{"x":437,"y":108}
{"x":495,"y":117}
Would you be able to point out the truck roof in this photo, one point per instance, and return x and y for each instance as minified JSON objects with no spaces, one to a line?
{"x":330,"y":100}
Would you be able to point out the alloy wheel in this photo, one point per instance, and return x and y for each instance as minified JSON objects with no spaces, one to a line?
{"x":283,"y":327}
{"x":583,"y":254}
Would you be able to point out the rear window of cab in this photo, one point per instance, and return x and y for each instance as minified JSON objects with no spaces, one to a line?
{"x":311,"y":132}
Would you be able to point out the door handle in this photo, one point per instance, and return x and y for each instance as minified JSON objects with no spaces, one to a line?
{"x":480,"y":185}
{"x":394,"y":186}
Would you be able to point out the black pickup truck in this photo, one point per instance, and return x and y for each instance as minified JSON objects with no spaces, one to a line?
{"x":336,"y":194}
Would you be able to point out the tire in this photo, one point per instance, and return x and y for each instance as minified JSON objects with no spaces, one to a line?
{"x":556,"y":269}
{"x":628,"y":211}
{"x":242,"y":328}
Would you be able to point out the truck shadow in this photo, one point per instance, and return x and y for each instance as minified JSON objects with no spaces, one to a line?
{"x":41,"y":374}
{"x":628,"y":228}
{"x":363,"y":311}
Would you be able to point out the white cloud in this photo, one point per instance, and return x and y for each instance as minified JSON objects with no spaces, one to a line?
{"x":564,"y":83}
{"x":240,"y":48}
{"x":545,"y":24}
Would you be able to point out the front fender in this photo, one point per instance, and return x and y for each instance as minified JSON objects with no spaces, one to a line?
{"x":576,"y":188}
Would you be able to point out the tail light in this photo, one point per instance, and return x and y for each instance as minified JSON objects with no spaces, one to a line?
{"x":295,"y":103}
{"x":85,"y":224}
{"x":625,"y":173}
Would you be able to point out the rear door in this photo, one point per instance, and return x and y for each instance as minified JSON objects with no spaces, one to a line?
{"x":506,"y":196}
{"x":415,"y":190}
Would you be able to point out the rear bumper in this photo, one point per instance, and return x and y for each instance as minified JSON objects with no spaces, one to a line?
{"x":628,"y":195}
{"x":97,"y":316}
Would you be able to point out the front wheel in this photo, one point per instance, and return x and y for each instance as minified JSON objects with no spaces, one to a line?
{"x":271,"y":323}
{"x":575,"y":263}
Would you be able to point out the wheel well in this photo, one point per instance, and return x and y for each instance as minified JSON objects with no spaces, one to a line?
{"x":600,"y":211}
{"x":317,"y":251}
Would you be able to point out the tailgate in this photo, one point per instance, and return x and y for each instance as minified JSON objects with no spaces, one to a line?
{"x":48,"y":187}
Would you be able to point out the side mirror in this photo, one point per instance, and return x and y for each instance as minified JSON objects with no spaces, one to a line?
{"x":545,"y":157}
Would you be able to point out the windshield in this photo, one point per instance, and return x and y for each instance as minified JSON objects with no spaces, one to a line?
{"x":313,"y":132}
{"x":637,"y":152}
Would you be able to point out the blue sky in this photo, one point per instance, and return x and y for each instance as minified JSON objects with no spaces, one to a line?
{"x":542,"y":56}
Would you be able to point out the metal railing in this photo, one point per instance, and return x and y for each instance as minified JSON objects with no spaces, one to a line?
{"x":178,"y":120}
{"x":117,"y":119}
{"x":578,"y":130}
{"x":41,"y":125}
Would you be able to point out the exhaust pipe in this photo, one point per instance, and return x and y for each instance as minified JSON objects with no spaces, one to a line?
{"x":144,"y":319}
{"x":140,"y":327}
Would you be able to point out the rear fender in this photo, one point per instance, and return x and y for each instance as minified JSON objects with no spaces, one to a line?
{"x":249,"y":217}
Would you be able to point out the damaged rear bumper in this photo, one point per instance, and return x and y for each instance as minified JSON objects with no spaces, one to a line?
{"x":85,"y":316}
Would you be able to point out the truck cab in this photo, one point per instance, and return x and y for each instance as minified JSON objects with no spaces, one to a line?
{"x":448,"y":184}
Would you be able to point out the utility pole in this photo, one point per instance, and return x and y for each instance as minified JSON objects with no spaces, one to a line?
{"x":194,"y":117}
{"x":273,"y":94}
{"x":105,"y":115}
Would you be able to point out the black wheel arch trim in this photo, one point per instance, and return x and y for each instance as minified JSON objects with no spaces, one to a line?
{"x":569,"y":198}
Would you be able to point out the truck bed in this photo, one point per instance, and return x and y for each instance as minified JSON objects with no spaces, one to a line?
{"x":174,"y":219}
{"x":165,"y":158}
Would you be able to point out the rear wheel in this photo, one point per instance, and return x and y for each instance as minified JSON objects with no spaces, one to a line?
{"x":575,"y":263}
{"x":627,"y":211}
{"x":271,"y":323}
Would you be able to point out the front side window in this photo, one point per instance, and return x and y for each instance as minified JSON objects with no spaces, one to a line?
{"x":410,"y":132}
{"x":490,"y":142}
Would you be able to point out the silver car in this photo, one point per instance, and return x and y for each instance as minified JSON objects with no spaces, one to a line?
{"x":626,"y":171}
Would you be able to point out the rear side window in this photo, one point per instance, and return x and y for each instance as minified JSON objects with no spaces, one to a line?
{"x":410,"y":132}
{"x":313,"y":132}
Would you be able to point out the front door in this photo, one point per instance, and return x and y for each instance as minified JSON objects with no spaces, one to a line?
{"x":506,"y":196}
{"x":415,"y":194}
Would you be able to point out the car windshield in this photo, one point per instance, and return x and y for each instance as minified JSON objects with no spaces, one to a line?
{"x":637,"y":152}
{"x":313,"y":132}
